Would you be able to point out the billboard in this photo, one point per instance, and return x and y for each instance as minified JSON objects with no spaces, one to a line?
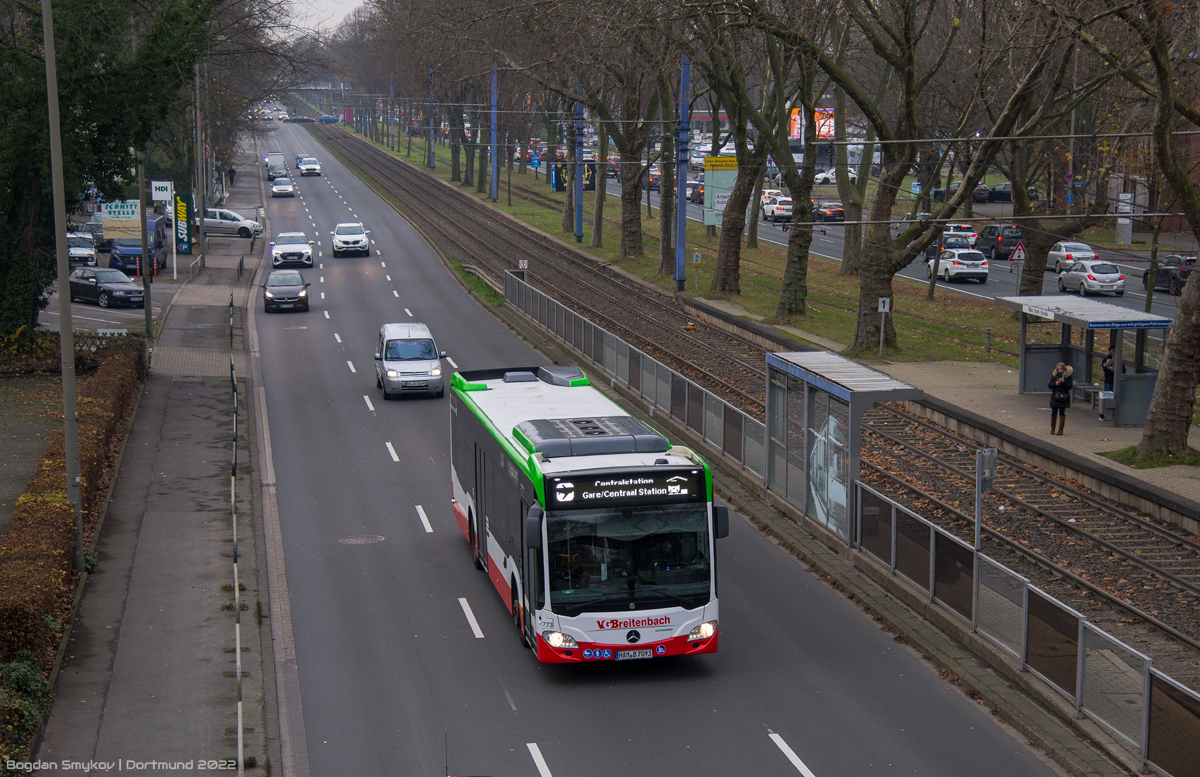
{"x":720,"y":174}
{"x":183,"y":223}
{"x":120,"y":219}
{"x":824,"y":118}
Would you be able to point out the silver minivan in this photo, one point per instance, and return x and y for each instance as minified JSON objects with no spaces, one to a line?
{"x":407,"y":361}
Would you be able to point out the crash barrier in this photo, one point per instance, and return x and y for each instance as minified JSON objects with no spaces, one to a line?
{"x":1107,"y":680}
{"x":738,"y":436}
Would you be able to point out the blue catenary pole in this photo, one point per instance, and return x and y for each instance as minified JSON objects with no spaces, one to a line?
{"x":579,"y":168}
{"x":681,"y":149}
{"x":432,"y":159}
{"x":495,"y":188}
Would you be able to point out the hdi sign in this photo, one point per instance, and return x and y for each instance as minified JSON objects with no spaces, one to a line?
{"x":160,"y":191}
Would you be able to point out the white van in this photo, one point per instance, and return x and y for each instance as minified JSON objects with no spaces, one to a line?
{"x":407,"y":361}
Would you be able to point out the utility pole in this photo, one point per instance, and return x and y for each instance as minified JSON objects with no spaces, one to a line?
{"x":66,"y":342}
{"x":579,"y":166}
{"x":432,"y":158}
{"x":149,"y":262}
{"x":681,"y":149}
{"x":495,"y":187}
{"x":200,"y":245}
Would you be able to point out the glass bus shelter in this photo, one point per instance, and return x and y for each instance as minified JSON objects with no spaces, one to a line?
{"x":815,"y":402}
{"x":1133,"y":384}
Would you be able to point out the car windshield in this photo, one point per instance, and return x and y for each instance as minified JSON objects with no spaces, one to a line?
{"x":282,"y":182}
{"x":291,"y":240}
{"x":79,"y":242}
{"x":308,"y":161}
{"x":410,"y":350}
{"x":1105,"y":269}
{"x":348,"y":229}
{"x":112,"y":276}
{"x":285,"y":279}
{"x":628,"y":558}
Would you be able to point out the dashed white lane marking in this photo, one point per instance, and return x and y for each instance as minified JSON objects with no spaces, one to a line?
{"x":326,"y":314}
{"x":392,"y":451}
{"x":368,"y":401}
{"x":383,"y":265}
{"x":424,"y":519}
{"x":337,"y":337}
{"x":790,"y":754}
{"x":378,"y":252}
{"x":388,"y":277}
{"x":350,"y":364}
{"x":321,"y":254}
{"x":321,"y":266}
{"x":452,"y":364}
{"x":538,"y":761}
{"x":466,"y":608}
{"x":396,"y":293}
{"x":322,"y":295}
{"x":372,"y":242}
{"x":408,"y":312}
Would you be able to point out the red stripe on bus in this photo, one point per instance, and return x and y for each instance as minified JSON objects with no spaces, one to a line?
{"x":461,"y":517}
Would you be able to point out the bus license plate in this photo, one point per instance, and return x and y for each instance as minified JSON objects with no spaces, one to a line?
{"x":625,"y":655}
{"x":415,"y":383}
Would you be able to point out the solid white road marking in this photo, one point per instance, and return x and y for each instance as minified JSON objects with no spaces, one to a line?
{"x":452,"y":364}
{"x":326,"y":314}
{"x":392,"y":451}
{"x":351,"y":365}
{"x":424,"y":519}
{"x":466,"y":608}
{"x":538,"y":761}
{"x":408,"y":312}
{"x":396,"y":293}
{"x":337,"y":337}
{"x":790,"y":754}
{"x":368,"y":401}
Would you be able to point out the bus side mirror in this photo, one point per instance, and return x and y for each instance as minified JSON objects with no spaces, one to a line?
{"x":720,"y":521}
{"x":533,"y":528}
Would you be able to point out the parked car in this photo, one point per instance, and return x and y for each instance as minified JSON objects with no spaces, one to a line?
{"x":965,"y":230}
{"x":350,"y":237}
{"x":829,"y":211}
{"x":1092,"y":277}
{"x":326,"y":119}
{"x":947,"y":241}
{"x":1172,"y":273}
{"x":219,"y":221}
{"x":696,"y":158}
{"x":81,"y":249}
{"x":283,"y":187}
{"x":125,"y":254}
{"x":997,"y":241}
{"x":830,"y":177}
{"x":1002,"y":192}
{"x":959,"y":264}
{"x":945,"y":195}
{"x":291,"y":248}
{"x":778,"y":208}
{"x":95,"y":227}
{"x":407,"y":361}
{"x":1067,"y":253}
{"x":285,"y":290}
{"x":310,"y":166}
{"x":104,"y":287}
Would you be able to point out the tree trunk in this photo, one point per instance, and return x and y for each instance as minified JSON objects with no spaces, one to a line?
{"x":793,"y":296}
{"x":568,"y":214}
{"x":631,"y":202}
{"x":878,"y":256}
{"x":666,"y":200}
{"x":597,"y":240}
{"x":456,"y":143}
{"x":755,"y":213}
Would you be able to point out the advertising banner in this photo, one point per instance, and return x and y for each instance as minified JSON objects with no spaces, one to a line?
{"x":120,"y":219}
{"x":589,"y":176}
{"x":559,"y":176}
{"x":720,"y":174}
{"x":183,"y":223}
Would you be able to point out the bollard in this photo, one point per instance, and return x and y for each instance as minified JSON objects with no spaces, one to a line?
{"x":988,"y":348}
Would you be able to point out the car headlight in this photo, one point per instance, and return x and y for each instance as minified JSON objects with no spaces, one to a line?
{"x":436,"y":372}
{"x":118,"y":294}
{"x":556,"y":639}
{"x":268,"y":295}
{"x":393,"y":374}
{"x":703,"y":631}
{"x":303,"y":293}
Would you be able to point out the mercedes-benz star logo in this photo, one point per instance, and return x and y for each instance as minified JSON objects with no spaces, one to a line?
{"x":633,"y":637}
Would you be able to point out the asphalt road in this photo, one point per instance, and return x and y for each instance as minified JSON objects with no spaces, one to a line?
{"x":829,"y":242}
{"x":393,"y":673}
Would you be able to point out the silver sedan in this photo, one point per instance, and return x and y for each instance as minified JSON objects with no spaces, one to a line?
{"x":1092,"y":277}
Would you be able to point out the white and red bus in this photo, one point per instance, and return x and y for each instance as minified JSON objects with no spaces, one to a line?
{"x":598,"y":534}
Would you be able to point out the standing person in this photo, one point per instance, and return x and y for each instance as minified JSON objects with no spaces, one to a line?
{"x":1109,"y":366}
{"x":1060,"y":386}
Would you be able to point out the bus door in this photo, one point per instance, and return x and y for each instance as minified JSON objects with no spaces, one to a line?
{"x":532,"y":573}
{"x":479,"y":496}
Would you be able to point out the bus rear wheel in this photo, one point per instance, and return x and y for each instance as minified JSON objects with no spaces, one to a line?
{"x":518,"y":621}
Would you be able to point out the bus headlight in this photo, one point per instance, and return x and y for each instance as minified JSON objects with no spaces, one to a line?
{"x":556,"y":639}
{"x":704,"y":630}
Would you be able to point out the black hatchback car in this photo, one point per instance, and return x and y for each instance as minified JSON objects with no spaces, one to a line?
{"x":105,"y":287}
{"x":1172,"y":273}
{"x":285,"y":290}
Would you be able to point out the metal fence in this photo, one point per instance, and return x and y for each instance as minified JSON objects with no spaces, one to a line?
{"x":736,"y":435}
{"x":1106,"y":679}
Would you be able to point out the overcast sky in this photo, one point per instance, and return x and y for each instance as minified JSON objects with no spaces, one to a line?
{"x":324,"y":13}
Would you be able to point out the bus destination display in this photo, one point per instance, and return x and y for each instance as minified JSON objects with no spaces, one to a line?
{"x":617,"y":489}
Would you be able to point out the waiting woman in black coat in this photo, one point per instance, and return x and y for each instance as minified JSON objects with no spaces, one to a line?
{"x":1060,"y":386}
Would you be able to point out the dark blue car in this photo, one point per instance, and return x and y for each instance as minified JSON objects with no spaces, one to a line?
{"x":126,"y":255}
{"x":327,"y":119}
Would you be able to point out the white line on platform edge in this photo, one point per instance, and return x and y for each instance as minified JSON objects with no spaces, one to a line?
{"x":392,"y":451}
{"x":368,"y":401}
{"x":466,"y":608}
{"x":424,"y":519}
{"x":790,"y":754}
{"x":538,"y":761}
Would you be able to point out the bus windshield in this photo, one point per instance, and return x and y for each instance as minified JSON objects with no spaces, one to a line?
{"x":629,"y":558}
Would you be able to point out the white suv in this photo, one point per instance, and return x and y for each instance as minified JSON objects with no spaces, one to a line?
{"x":309,"y":166}
{"x":291,"y":248}
{"x":351,"y":237}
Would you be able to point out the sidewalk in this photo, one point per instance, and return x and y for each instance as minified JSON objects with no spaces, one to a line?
{"x":149,"y":670}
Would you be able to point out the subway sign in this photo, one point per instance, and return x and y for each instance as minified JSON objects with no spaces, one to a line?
{"x":626,"y":488}
{"x":183,"y":223}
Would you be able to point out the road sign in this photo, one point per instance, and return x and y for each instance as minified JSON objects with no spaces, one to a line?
{"x":915,"y":187}
{"x":1018,"y":254}
{"x":160,"y":191}
{"x":696,"y":258}
{"x":1070,"y":198}
{"x":522,"y":264}
{"x":885,"y":304}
